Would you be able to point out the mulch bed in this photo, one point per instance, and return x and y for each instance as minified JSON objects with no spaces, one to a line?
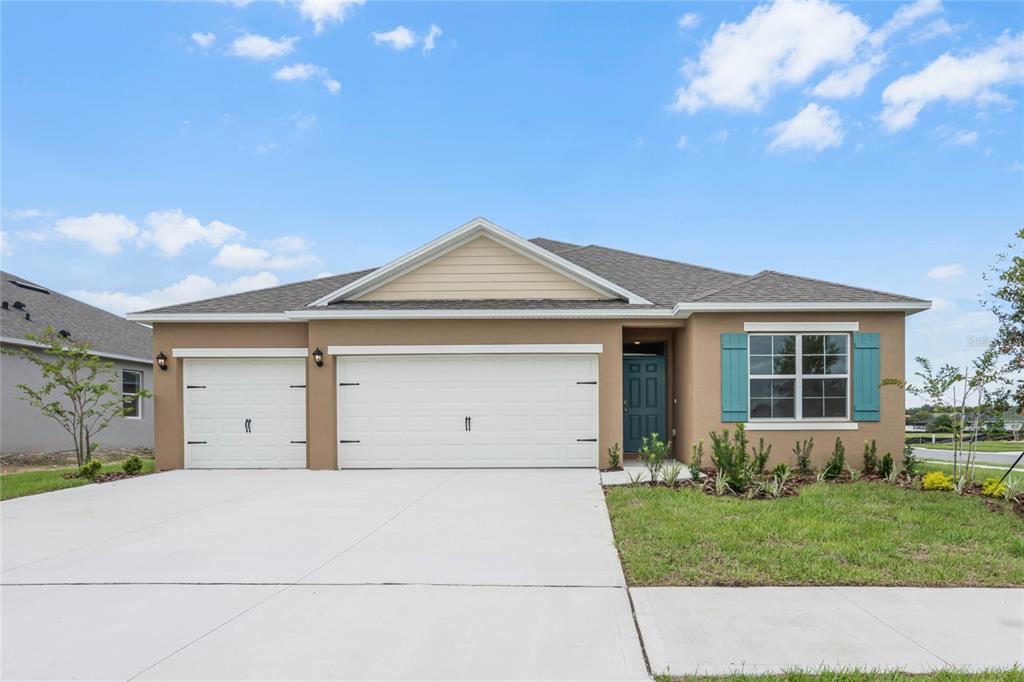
{"x":105,"y":477}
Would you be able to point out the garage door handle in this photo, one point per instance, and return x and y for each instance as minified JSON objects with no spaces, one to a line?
{"x":586,"y":440}
{"x":591,"y":383}
{"x":196,"y":442}
{"x":298,"y":441}
{"x":349,"y":441}
{"x":468,"y":423}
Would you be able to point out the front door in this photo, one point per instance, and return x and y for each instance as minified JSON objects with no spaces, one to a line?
{"x":643,"y":399}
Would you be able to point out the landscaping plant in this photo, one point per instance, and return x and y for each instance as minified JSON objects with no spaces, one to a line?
{"x":132,"y":465}
{"x":837,"y":462}
{"x":732,"y":461}
{"x":761,"y":455}
{"x":614,"y":456}
{"x":887,"y":466}
{"x":854,"y":473}
{"x":910,"y":462}
{"x":993,"y":487}
{"x":696,"y":459}
{"x":781,"y":471}
{"x":90,"y":469}
{"x":802,"y":450}
{"x":870,"y":457}
{"x":652,"y":454}
{"x":936,"y":480}
{"x":671,"y":473}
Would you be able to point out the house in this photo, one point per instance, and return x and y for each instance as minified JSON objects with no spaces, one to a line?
{"x":29,"y":308}
{"x":483,"y":349}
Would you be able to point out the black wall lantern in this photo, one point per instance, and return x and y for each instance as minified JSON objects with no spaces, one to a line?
{"x":161,"y":360}
{"x":318,"y":357}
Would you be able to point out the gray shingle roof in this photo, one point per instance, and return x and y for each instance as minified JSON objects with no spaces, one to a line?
{"x":663,"y":282}
{"x":106,"y":332}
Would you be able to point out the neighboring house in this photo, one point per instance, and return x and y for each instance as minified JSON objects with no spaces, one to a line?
{"x":29,"y":308}
{"x":482,"y":349}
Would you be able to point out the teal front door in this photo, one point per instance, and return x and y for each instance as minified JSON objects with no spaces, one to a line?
{"x":643,"y":399}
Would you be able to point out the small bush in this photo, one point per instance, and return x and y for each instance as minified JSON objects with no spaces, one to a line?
{"x":761,"y":455}
{"x":696,"y":458}
{"x":802,"y":450}
{"x":781,"y":471}
{"x":614,"y":456}
{"x":735,"y":468}
{"x":887,"y":466}
{"x":1014,"y":489}
{"x":936,"y":480}
{"x":90,"y":469}
{"x":132,"y":465}
{"x":652,"y":454}
{"x":870,"y":457}
{"x":837,"y":462}
{"x":671,"y":473}
{"x":910,"y":462}
{"x":854,"y":473}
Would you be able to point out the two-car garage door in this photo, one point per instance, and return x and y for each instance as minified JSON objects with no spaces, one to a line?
{"x":525,"y":410}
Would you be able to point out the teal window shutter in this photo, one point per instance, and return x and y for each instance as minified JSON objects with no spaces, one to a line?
{"x":867,"y":377}
{"x":734,"y":377}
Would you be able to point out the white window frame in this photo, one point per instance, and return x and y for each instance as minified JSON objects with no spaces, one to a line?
{"x":138,"y":411}
{"x":798,"y":377}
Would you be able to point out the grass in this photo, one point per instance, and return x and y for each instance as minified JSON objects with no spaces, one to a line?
{"x":24,"y":483}
{"x":859,"y":676}
{"x":830,"y":534}
{"x":983,"y":446}
{"x":982,"y":471}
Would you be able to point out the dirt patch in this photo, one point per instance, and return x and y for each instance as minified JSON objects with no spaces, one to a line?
{"x":35,"y":461}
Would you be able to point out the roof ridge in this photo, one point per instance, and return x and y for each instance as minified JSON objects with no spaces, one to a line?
{"x":840,"y":284}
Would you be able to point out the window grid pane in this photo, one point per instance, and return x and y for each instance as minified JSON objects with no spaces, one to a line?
{"x":799,"y":355}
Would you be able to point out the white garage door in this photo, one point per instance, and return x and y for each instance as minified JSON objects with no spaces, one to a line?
{"x":467,"y":411}
{"x":245,"y":413}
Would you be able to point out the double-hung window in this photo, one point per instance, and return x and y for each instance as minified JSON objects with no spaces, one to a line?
{"x":799,"y":376}
{"x":131,"y":384}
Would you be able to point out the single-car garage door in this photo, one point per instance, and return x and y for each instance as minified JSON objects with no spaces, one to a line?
{"x":467,"y":411}
{"x":245,"y":413}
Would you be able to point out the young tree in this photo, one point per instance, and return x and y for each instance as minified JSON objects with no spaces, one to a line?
{"x":77,"y":389}
{"x":1006,"y":300}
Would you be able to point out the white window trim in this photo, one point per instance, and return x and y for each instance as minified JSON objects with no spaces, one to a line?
{"x":488,"y":349}
{"x":798,"y":389}
{"x":801,"y":425}
{"x":138,"y":414}
{"x":239,"y":352}
{"x":801,"y":327}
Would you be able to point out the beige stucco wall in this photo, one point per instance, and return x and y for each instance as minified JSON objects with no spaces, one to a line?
{"x":481,"y":269}
{"x":700,"y":380}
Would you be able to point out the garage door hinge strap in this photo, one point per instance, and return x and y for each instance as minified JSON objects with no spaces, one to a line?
{"x":347,"y":383}
{"x":195,"y":387}
{"x":196,"y":442}
{"x":349,"y":441}
{"x":586,"y":440}
{"x":592,"y":383}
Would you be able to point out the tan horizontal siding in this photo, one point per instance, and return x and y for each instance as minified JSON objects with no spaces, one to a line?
{"x":481,"y":269}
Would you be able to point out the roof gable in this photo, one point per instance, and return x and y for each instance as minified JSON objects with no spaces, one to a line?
{"x":506,"y":251}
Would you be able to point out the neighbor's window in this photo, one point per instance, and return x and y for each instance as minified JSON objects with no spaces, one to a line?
{"x":131,"y":384}
{"x":799,"y":376}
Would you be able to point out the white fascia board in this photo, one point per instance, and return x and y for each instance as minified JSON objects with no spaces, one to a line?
{"x":151,"y":318}
{"x":480,"y":314}
{"x":98,"y":353}
{"x":801,"y":326}
{"x":479,"y":349}
{"x":802,"y":426}
{"x":687,"y":309}
{"x":239,"y":352}
{"x":461,"y":235}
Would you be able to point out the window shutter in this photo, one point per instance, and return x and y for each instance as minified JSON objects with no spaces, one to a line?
{"x":734,"y":377}
{"x":867,"y":377}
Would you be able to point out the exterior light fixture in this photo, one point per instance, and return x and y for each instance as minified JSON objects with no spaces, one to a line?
{"x":161,"y":361}
{"x":318,"y":357}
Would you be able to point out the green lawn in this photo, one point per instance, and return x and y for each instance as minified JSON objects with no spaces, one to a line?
{"x":860,"y":676}
{"x":830,"y":534}
{"x":984,"y":446}
{"x":32,"y":482}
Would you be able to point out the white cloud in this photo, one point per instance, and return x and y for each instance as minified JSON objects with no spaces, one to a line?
{"x":191,"y":288}
{"x":23,"y":213}
{"x":324,"y":12}
{"x":5,"y":244}
{"x":32,"y":235}
{"x":171,"y":231}
{"x":689,"y":20}
{"x":289,"y":243}
{"x":1015,"y":167}
{"x":935,"y":29}
{"x":240,"y":257}
{"x":302,"y":72}
{"x":781,"y":44}
{"x":904,"y":17}
{"x":964,"y":138}
{"x":429,"y":40}
{"x":261,"y":47}
{"x":399,"y":38}
{"x":814,"y":127}
{"x":266,"y":147}
{"x":720,"y":136}
{"x":682,"y":142}
{"x":204,"y":39}
{"x":946,"y":271}
{"x":955,"y":79}
{"x":850,"y":81}
{"x":104,"y":232}
{"x":303,"y":123}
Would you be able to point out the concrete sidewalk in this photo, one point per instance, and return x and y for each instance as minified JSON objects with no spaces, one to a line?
{"x":720,"y":630}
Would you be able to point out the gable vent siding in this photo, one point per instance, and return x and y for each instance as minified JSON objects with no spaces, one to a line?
{"x":867,"y":376}
{"x":482,"y":269}
{"x":735,"y":403}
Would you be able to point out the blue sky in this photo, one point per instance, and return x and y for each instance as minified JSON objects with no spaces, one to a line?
{"x":157,"y":152}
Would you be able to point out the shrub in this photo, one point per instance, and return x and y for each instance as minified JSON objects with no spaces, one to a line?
{"x":652,"y":454}
{"x":837,"y":462}
{"x":735,"y":468}
{"x":936,"y":480}
{"x":1014,"y":489}
{"x":770,"y":487}
{"x":993,"y":487}
{"x":696,"y":458}
{"x":887,"y":466}
{"x":870,"y":457}
{"x":614,"y":456}
{"x":802,"y":450}
{"x":761,"y":455}
{"x":854,"y":473}
{"x":910,"y":462}
{"x":90,"y":469}
{"x":132,"y":465}
{"x":671,"y":473}
{"x":781,"y":471}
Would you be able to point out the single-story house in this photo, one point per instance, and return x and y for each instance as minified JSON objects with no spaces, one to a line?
{"x":484,"y":349}
{"x":29,"y":308}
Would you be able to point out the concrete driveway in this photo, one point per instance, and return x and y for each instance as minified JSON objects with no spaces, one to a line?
{"x":463,"y":574}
